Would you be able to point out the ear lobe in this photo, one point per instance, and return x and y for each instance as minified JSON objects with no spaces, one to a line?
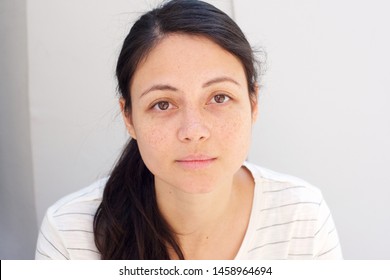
{"x":254,"y":103}
{"x":126,"y":115}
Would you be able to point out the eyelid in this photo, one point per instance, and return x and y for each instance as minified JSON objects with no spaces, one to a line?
{"x":154,"y":106}
{"x":229,"y":97}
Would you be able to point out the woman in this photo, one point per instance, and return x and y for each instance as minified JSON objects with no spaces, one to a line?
{"x":182,"y":188}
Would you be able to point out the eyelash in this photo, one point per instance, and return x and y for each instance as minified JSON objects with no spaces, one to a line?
{"x":156,"y":106}
{"x":227,"y":98}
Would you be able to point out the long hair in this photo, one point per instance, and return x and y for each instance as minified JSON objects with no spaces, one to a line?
{"x":128,"y":224}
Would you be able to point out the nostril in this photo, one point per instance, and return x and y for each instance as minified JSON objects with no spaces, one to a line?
{"x":193,"y":132}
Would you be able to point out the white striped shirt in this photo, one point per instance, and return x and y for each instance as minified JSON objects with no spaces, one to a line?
{"x":289,"y":220}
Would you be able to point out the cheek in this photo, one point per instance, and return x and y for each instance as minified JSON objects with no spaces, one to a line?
{"x":149,"y":134}
{"x":155,"y":137}
{"x":153,"y":149}
{"x":152,"y":142}
{"x":235,"y":129}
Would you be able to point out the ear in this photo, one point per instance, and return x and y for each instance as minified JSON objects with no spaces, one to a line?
{"x":126,"y":115}
{"x":254,"y":97}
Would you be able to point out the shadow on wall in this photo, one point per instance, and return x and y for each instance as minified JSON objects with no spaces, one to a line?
{"x":18,"y":224}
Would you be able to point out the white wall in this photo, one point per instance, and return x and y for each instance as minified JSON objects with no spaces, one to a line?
{"x":322,"y":115}
{"x":76,"y":134}
{"x":324,"y":110}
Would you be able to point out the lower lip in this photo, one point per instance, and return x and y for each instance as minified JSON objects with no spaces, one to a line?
{"x":195,"y":164}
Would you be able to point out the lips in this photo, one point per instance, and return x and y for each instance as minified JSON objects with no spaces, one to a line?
{"x":196,"y":161}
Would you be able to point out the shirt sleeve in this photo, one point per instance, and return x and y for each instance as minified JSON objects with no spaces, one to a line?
{"x":326,"y":240}
{"x":50,"y":245}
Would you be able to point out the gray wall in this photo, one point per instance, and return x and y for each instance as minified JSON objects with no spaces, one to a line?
{"x":18,"y":223}
{"x":324,"y":110}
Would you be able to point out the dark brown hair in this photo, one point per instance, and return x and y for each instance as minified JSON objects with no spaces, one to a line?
{"x":128,"y":224}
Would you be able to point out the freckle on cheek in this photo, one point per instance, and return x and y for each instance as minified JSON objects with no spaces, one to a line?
{"x":235,"y":124}
{"x":236,"y":129}
{"x":155,"y":139}
{"x":228,"y":129}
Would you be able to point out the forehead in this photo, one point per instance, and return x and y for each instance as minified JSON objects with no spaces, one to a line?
{"x":186,"y":58}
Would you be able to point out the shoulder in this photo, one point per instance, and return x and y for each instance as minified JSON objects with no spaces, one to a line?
{"x":282,"y":198}
{"x":283,"y":186}
{"x":67,"y":228}
{"x":83,"y":201}
{"x":291,"y":219}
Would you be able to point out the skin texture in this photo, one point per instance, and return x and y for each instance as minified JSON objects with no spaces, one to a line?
{"x":192,"y":118}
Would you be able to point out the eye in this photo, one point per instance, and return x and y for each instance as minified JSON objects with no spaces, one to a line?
{"x":161,"y":105}
{"x":220,"y":98}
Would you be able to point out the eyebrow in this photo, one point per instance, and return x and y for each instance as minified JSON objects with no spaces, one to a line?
{"x":159,"y":87}
{"x":220,"y":80}
{"x":206,"y":84}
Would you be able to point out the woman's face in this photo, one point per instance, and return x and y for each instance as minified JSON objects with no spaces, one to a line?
{"x":191,"y":114}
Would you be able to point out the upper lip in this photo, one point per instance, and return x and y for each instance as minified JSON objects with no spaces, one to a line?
{"x":199,"y":157}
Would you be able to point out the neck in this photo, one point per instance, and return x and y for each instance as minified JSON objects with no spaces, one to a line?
{"x":194,"y":214}
{"x":202,"y":220}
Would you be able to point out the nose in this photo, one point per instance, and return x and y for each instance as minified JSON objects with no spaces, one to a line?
{"x":194,"y":126}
